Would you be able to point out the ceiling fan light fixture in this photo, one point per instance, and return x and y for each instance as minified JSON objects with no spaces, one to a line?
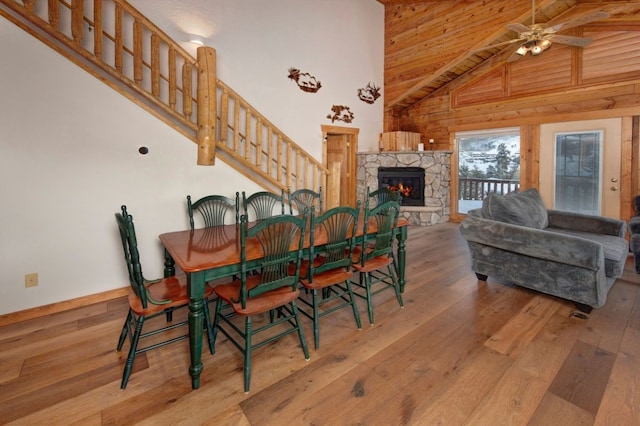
{"x":536,"y":38}
{"x":541,"y":46}
{"x":526,"y":48}
{"x":522,"y":50}
{"x":536,"y":49}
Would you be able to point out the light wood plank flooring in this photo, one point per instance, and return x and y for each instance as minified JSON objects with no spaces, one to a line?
{"x":459,"y":352}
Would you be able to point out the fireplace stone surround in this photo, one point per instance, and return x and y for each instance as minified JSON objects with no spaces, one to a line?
{"x":437,"y":166}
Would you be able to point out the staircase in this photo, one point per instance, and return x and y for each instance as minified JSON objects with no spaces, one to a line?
{"x":118,"y":45}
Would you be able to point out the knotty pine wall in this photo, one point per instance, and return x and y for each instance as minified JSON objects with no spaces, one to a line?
{"x":601,"y":80}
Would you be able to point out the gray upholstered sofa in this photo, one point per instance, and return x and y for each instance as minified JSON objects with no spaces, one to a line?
{"x":634,"y":234}
{"x":515,"y":239}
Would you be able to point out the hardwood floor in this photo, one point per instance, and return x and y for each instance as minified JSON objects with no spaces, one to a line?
{"x":459,"y":352}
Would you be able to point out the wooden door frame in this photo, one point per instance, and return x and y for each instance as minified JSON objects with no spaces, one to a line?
{"x":611,"y":128}
{"x":352,"y":157}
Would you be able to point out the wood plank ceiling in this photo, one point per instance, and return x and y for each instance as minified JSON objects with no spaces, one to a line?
{"x":430,"y":43}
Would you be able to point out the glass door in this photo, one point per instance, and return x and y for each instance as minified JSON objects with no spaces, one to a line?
{"x":580,"y":166}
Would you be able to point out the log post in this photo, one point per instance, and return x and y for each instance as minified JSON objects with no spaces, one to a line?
{"x":207,"y":107}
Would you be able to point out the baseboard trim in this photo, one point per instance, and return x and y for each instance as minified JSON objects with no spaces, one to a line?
{"x":66,"y":305}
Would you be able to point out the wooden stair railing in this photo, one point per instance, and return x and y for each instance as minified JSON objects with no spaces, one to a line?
{"x":117,"y":44}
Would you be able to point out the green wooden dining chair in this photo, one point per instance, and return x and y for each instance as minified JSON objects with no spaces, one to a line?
{"x":382,"y":195}
{"x":305,"y":198}
{"x":374,"y":259}
{"x":213,"y":210}
{"x":327,"y":272}
{"x":279,"y":240}
{"x":262,"y":205}
{"x":149,"y":299}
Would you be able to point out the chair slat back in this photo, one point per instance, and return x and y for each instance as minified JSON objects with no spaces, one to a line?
{"x":213,"y":209}
{"x":339,"y":225}
{"x":131,"y":254}
{"x":281,"y":239}
{"x":305,"y":198}
{"x":385,"y":216}
{"x":263,"y":204}
{"x":382,"y":195}
{"x":213,"y":237}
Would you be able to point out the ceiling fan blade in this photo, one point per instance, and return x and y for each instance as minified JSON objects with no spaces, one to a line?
{"x":596,"y":16}
{"x":504,"y":43}
{"x":514,"y":56}
{"x":571,"y":40}
{"x":519,"y":28}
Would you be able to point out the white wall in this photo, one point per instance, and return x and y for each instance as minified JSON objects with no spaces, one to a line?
{"x":340,"y":42}
{"x":69,"y":144}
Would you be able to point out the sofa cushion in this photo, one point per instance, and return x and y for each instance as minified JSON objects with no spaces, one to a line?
{"x":524,"y":208}
{"x":616,"y":249}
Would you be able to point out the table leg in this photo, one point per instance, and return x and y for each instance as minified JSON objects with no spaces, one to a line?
{"x":196,"y":285}
{"x":402,"y":255}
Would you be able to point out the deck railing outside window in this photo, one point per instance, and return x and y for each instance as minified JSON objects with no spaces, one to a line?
{"x":471,"y":192}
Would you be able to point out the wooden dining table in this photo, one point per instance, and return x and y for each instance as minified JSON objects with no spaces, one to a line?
{"x":208,"y":254}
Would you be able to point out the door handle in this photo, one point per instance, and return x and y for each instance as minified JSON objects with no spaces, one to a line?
{"x":614,"y":188}
{"x":614,"y":180}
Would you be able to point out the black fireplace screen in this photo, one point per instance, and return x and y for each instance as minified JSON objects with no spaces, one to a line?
{"x":408,"y":181}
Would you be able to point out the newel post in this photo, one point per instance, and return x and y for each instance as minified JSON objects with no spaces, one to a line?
{"x":207,"y":107}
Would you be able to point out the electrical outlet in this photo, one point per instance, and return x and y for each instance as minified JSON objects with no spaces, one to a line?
{"x":31,"y":280}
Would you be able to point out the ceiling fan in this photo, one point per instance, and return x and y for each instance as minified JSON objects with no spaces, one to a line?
{"x":536,"y":38}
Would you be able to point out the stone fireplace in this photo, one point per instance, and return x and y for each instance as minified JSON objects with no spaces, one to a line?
{"x":436,"y":170}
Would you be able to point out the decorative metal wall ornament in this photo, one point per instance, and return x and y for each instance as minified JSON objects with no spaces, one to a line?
{"x":305,"y":81}
{"x":341,"y":113}
{"x":369,"y":94}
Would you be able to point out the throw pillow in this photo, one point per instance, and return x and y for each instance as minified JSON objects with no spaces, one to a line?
{"x":524,"y":208}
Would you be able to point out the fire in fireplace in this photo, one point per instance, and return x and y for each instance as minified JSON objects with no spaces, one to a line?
{"x":408,"y":181}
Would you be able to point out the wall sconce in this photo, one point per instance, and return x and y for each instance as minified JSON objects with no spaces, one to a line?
{"x":196,"y":39}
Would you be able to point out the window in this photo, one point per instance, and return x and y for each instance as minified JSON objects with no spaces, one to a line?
{"x":488,"y":161}
{"x":577,"y":186}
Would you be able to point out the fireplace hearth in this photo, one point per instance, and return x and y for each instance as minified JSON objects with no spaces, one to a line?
{"x":408,"y":181}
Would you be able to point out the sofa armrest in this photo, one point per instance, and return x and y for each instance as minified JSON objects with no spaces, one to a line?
{"x":587,"y":223}
{"x":536,"y":243}
{"x":634,"y":225}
